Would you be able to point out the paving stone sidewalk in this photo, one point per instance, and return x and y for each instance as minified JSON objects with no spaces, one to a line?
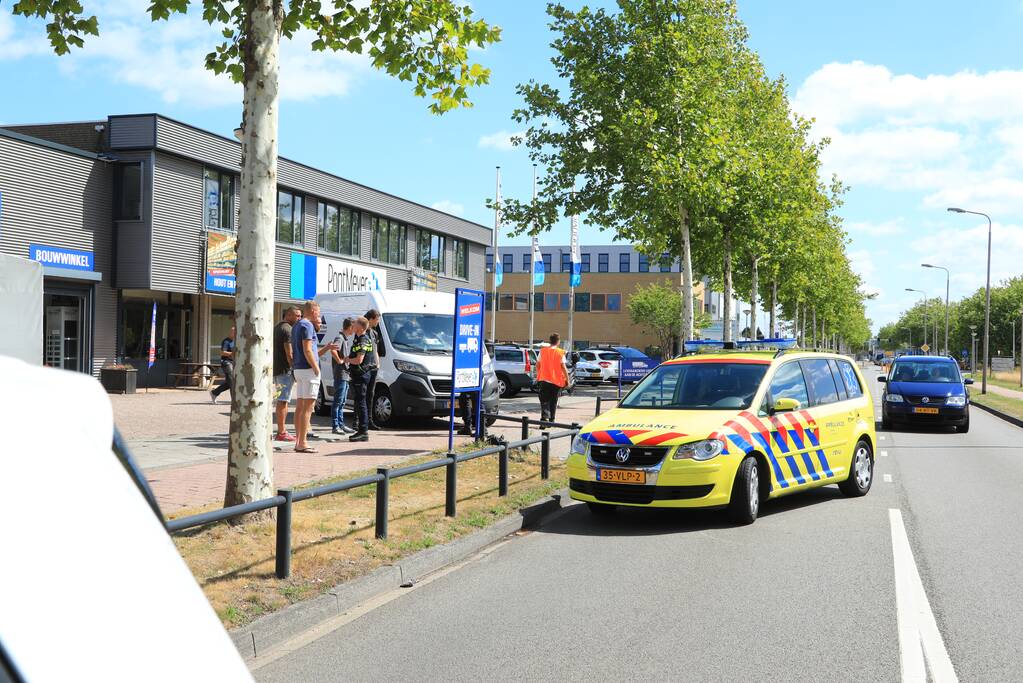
{"x":180,"y":441}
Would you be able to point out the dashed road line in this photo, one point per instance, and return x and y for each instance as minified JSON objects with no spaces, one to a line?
{"x":887,"y":478}
{"x":921,"y":648}
{"x":883,"y":454}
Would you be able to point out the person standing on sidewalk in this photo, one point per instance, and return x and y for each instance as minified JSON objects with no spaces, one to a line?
{"x":283,"y":379}
{"x":361,"y":366}
{"x":342,"y":376}
{"x":373,"y":334}
{"x":306,"y":363}
{"x":227,"y":366}
{"x":552,"y":377}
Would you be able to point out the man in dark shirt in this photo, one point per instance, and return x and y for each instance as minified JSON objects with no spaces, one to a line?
{"x":283,"y":379}
{"x":373,"y":334}
{"x":361,"y":367}
{"x":227,"y":365}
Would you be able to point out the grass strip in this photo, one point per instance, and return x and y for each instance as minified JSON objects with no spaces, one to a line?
{"x":333,"y":536}
{"x":1009,"y":406}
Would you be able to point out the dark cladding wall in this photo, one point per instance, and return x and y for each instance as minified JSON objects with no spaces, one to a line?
{"x":61,"y":199}
{"x":178,"y":247}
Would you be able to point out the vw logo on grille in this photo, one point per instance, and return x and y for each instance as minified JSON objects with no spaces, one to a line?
{"x":925,"y":400}
{"x":622,"y":455}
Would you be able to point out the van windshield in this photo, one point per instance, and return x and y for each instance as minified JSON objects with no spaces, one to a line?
{"x":420,"y":332}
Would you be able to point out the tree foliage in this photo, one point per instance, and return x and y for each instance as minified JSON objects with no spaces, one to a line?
{"x":656,"y":307}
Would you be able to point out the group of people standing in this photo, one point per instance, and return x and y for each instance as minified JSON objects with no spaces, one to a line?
{"x":296,"y":368}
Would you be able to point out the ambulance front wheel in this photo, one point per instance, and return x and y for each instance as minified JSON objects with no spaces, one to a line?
{"x":744,"y":505}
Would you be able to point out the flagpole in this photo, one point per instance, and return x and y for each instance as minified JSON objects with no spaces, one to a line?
{"x":574,"y":246}
{"x":497,"y":229}
{"x":532,"y":269}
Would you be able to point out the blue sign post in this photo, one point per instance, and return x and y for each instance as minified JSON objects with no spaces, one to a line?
{"x":467,"y":353}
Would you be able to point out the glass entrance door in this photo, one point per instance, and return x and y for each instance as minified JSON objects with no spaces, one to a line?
{"x":65,"y":340}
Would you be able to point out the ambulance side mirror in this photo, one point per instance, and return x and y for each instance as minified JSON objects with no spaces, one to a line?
{"x":784,"y":405}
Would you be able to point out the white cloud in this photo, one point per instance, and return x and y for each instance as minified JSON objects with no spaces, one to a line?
{"x":963,"y":250}
{"x":845,"y":93}
{"x":448,"y":206}
{"x":168,"y":57}
{"x":501,"y":140}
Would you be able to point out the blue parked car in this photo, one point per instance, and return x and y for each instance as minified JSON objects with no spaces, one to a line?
{"x":925,"y":390}
{"x":634,"y":365}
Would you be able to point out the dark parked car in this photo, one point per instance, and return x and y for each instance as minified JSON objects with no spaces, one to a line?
{"x":925,"y":390}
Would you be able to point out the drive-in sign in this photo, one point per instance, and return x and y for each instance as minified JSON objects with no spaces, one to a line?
{"x":468,"y":339}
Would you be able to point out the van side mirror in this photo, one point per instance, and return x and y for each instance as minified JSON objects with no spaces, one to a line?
{"x":882,"y":379}
{"x":784,"y":405}
{"x":968,"y":380}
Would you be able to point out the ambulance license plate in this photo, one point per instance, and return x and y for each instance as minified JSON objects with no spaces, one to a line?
{"x":928,"y":411}
{"x":622,"y":476}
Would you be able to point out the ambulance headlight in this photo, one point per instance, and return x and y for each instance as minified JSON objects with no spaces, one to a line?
{"x":580,"y":446}
{"x":699,"y":450}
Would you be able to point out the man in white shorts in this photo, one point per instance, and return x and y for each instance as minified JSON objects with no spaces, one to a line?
{"x":306,"y":364}
{"x":283,"y":379}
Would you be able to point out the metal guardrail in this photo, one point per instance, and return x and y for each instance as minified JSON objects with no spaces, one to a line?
{"x":287,"y":497}
{"x":596,"y":412}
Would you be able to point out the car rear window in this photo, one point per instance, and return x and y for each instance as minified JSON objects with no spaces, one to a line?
{"x":609,"y":356}
{"x":852,"y":382}
{"x":508,"y":355}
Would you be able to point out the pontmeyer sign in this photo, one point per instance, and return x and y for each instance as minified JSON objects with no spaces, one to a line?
{"x":312,"y":275}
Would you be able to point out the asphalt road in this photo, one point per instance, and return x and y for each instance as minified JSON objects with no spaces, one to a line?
{"x":808,"y":592}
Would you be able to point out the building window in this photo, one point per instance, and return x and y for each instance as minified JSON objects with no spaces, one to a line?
{"x":338,"y":229}
{"x":563,"y":302}
{"x":624,"y":262}
{"x":490,"y":263}
{"x":538,"y":301}
{"x":430,"y":251}
{"x":219,"y":200}
{"x":614,"y":302}
{"x":550,"y":302}
{"x":526,"y":265}
{"x":644,"y":263}
{"x":586,"y":262}
{"x":522,"y":302}
{"x":547,"y":263}
{"x":461,"y":259}
{"x":506,"y":302}
{"x":582,"y":302}
{"x":598,"y":302}
{"x":289,"y":217}
{"x":566,"y":263}
{"x":128,"y":182}
{"x":602,"y":262}
{"x":508,"y":263}
{"x":390,"y":240}
{"x":665,"y":262}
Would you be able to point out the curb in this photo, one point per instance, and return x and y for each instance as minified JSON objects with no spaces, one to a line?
{"x":997,"y":413}
{"x":273,"y":629}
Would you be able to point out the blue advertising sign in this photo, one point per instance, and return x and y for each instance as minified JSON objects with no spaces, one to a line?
{"x":633,"y":370}
{"x":60,"y":257}
{"x":468,"y":352}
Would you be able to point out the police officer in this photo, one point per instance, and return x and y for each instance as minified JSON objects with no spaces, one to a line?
{"x":373,"y":334}
{"x":362,"y":368}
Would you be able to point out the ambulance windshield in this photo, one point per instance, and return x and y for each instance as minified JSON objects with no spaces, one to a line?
{"x":698,"y":386}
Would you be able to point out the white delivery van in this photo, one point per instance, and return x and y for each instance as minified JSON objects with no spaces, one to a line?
{"x":416,"y":331}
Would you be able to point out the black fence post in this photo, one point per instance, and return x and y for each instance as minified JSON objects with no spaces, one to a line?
{"x":383,"y":486}
{"x":525,"y":427}
{"x":596,"y":413}
{"x":502,"y":471}
{"x":545,"y":456}
{"x":283,"y":560}
{"x":451,"y":485}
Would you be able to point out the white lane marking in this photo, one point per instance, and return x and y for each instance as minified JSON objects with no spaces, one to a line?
{"x":887,"y":478}
{"x":919,"y":637}
{"x":884,"y":454}
{"x":882,"y":437}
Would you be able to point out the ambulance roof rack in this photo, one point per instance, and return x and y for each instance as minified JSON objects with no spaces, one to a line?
{"x":714,"y":345}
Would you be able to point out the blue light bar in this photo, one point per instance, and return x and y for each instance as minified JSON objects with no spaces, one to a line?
{"x":694,"y":345}
{"x":767,"y":344}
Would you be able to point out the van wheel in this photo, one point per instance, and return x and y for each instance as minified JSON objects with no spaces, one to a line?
{"x":321,"y":407}
{"x":861,"y":472}
{"x":965,"y":426}
{"x":383,"y":407}
{"x":744,"y":505}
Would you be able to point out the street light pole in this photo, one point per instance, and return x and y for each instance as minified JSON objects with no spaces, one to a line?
{"x":948,"y":277}
{"x":987,"y":297}
{"x":973,"y":349}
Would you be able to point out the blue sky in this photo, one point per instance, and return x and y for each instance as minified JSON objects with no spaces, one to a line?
{"x":923,"y":102}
